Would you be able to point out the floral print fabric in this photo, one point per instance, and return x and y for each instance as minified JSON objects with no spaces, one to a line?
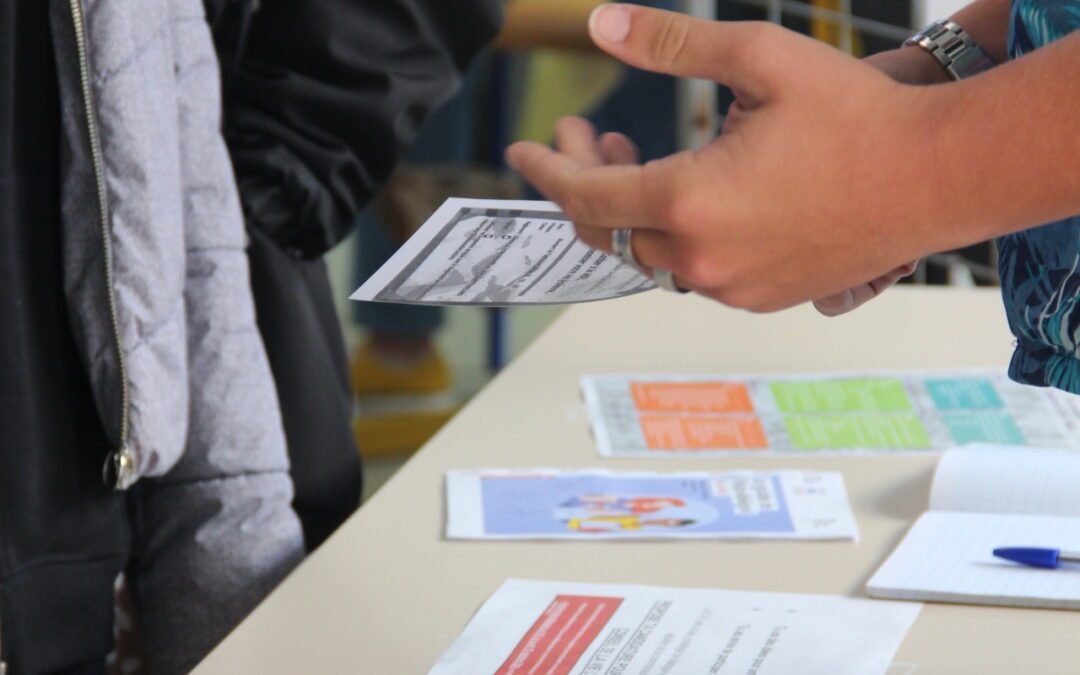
{"x":1040,"y":267}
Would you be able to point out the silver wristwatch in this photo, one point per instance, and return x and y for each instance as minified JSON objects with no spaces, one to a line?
{"x":954,"y":49}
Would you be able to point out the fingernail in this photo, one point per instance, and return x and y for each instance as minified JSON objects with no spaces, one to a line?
{"x":610,"y":23}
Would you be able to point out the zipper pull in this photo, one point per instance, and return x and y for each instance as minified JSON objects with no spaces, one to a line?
{"x":118,"y":472}
{"x":3,"y":663}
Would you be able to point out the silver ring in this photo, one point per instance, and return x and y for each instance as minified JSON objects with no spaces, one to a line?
{"x":666,"y":280}
{"x":620,"y":244}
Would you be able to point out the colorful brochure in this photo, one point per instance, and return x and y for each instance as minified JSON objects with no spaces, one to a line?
{"x":868,"y":412}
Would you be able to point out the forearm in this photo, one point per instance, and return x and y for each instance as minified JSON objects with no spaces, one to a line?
{"x":1004,"y":147}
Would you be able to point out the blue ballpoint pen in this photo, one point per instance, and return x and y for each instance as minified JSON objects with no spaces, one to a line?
{"x":1049,"y":558}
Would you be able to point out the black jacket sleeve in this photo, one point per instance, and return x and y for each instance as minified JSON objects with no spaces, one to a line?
{"x":322,"y":96}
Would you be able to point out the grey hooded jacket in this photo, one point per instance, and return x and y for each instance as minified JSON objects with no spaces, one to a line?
{"x":156,"y":282}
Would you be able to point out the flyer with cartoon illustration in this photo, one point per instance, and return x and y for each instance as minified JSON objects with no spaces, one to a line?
{"x":549,"y":504}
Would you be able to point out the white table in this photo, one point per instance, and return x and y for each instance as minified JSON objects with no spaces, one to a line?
{"x":387,"y":594}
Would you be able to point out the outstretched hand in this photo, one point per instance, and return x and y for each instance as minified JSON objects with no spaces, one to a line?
{"x":818,"y":182}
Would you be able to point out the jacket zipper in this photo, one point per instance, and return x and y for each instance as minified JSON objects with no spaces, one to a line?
{"x":3,"y":663}
{"x":119,"y":469}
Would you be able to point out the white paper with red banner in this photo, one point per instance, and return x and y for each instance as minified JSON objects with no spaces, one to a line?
{"x":559,"y":628}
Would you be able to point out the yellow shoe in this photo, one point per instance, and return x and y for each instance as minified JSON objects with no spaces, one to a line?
{"x":399,"y":404}
{"x":375,"y":374}
{"x":397,"y":434}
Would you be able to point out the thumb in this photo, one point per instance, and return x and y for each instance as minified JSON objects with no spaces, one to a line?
{"x":739,"y":54}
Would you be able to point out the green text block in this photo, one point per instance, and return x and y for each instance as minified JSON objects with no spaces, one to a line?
{"x":854,"y":395}
{"x":839,"y":432}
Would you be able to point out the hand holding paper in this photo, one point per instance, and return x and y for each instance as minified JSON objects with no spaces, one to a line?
{"x":764,"y":216}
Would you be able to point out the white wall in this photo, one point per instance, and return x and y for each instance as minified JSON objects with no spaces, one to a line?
{"x":925,"y":11}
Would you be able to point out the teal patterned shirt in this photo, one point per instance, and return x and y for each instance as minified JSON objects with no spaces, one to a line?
{"x":1040,"y":268}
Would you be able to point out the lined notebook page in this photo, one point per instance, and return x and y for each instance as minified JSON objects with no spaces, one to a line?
{"x":947,"y":557}
{"x":1008,"y":479}
{"x":1068,"y":406}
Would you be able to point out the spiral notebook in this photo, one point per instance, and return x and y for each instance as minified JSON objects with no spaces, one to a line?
{"x":984,"y":497}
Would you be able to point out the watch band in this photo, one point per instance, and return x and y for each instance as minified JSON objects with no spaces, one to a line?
{"x":954,"y":49}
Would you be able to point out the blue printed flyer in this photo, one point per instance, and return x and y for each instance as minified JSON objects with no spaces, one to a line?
{"x":549,"y":504}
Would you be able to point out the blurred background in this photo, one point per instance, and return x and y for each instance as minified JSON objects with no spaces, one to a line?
{"x":413,"y":368}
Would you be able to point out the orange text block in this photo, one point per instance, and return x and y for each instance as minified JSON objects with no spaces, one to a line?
{"x":703,"y":433}
{"x":705,"y":397}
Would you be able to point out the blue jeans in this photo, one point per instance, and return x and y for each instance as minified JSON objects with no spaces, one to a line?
{"x":642,"y":106}
{"x":447,"y":138}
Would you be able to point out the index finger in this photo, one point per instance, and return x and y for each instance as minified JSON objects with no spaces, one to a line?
{"x":609,"y":196}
